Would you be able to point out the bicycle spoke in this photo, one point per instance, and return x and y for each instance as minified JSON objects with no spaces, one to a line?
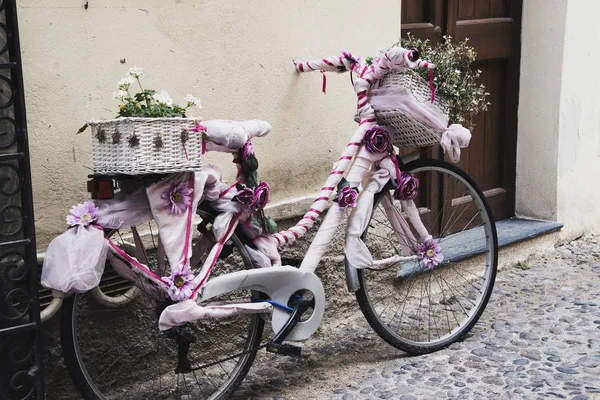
{"x":128,"y":336}
{"x":423,"y":310}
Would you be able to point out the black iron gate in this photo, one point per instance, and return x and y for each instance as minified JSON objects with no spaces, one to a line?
{"x":20,"y":339}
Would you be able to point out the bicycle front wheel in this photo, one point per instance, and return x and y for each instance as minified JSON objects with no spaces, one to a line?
{"x":412,"y":306}
{"x":115,"y":351}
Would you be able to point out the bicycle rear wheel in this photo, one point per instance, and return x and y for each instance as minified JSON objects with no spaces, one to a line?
{"x":415,"y":308}
{"x":117,"y":352}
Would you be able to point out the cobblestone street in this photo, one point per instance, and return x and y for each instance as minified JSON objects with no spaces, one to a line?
{"x":539,"y":338}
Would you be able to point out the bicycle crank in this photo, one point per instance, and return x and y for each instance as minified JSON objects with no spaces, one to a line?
{"x":276,"y":345}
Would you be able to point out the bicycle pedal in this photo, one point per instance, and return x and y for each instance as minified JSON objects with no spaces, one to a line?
{"x":284,"y":349}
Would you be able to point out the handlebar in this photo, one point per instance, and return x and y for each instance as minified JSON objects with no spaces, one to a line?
{"x":393,"y":59}
{"x":415,"y":55}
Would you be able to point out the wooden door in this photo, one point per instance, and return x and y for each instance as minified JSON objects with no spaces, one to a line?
{"x":493,"y":29}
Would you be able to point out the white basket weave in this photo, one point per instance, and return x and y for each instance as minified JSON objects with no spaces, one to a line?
{"x":407,"y":131}
{"x":115,"y":151}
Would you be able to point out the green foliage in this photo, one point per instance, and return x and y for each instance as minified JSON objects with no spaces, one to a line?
{"x":270,"y":224}
{"x":454,"y":78}
{"x":343,"y":182}
{"x":249,"y":172}
{"x":147,"y":103}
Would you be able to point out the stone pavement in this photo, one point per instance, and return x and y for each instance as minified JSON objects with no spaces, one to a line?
{"x":539,"y":338}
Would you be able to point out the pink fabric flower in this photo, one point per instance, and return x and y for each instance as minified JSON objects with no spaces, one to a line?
{"x":245,"y":196}
{"x":83,"y":214}
{"x":408,"y":187}
{"x":180,"y":284}
{"x":261,"y":196}
{"x":247,"y":151}
{"x":430,"y":253}
{"x":177,"y":198}
{"x":347,"y":197}
{"x":378,"y":140}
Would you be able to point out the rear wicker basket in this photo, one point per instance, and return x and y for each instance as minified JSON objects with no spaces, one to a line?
{"x":407,"y":131}
{"x":141,"y":146}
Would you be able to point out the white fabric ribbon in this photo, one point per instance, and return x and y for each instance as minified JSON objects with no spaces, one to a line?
{"x":229,"y":136}
{"x":186,"y":311}
{"x":75,"y":260}
{"x":357,"y":253}
{"x":454,"y":138}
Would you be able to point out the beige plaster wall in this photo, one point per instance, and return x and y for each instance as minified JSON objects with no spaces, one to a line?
{"x":579,"y":138}
{"x":542,"y":43}
{"x":235,"y":55}
{"x":558,"y":155}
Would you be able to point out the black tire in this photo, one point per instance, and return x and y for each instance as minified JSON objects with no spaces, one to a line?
{"x":147,"y":353}
{"x":413,"y":334}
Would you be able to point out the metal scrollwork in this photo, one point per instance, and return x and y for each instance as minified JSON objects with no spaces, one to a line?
{"x":11,"y":220}
{"x":6,"y":88}
{"x":3,"y":34}
{"x":10,"y":180}
{"x":15,"y":299}
{"x":21,"y":368}
{"x":8,"y":134}
{"x":15,"y":374}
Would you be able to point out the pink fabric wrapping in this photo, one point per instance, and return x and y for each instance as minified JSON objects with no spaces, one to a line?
{"x":395,"y":58}
{"x":268,"y":246}
{"x":123,"y":269}
{"x":173,"y":227}
{"x":124,"y":210}
{"x":259,"y":259}
{"x":456,"y":137}
{"x":227,"y":210}
{"x":229,"y":136}
{"x":414,"y":217}
{"x":406,"y":239}
{"x":75,"y":260}
{"x":212,"y":257}
{"x":186,"y":311}
{"x":400,"y":98}
{"x":357,"y":253}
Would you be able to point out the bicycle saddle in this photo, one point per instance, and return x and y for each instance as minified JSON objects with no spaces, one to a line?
{"x":229,"y":136}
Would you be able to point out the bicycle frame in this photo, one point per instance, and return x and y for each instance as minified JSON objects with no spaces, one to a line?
{"x":281,"y":282}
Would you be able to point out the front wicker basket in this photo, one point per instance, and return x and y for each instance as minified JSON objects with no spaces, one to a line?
{"x":141,"y":146}
{"x":407,"y":131}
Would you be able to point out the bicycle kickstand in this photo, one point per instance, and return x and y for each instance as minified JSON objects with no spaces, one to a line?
{"x":276,"y":344}
{"x":183,"y":338}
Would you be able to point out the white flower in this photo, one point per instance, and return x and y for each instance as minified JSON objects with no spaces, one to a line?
{"x":164,"y":98}
{"x":126,"y":82}
{"x":135,"y":72}
{"x":119,"y":94}
{"x":192,"y":101}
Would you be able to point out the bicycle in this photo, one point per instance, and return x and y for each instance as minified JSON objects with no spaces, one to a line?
{"x":427,"y":284}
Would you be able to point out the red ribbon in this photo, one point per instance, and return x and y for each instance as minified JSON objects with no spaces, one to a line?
{"x":397,"y":167}
{"x":431,"y":85}
{"x":198,"y":128}
{"x":324,"y":86}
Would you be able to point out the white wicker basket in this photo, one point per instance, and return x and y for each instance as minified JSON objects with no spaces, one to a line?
{"x":407,"y":131}
{"x":141,"y":146}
